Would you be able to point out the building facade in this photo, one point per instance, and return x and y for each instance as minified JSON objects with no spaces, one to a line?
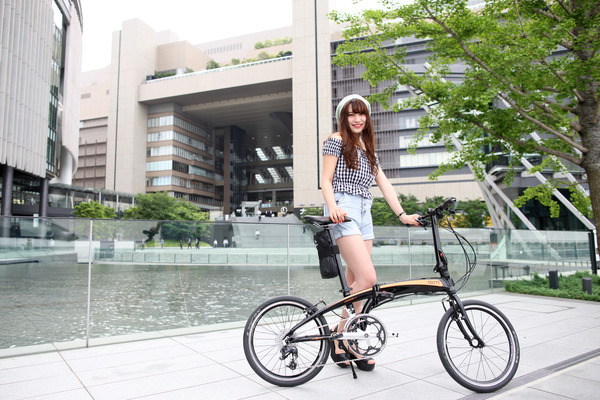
{"x":250,"y":131}
{"x":40,"y":69}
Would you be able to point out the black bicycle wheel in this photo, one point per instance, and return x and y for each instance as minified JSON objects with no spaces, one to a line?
{"x":484,"y":368}
{"x":267,"y":352}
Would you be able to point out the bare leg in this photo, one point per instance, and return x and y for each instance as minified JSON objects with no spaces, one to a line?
{"x":360,"y":272}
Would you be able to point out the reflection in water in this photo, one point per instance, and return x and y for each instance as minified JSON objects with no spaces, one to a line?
{"x":45,"y":303}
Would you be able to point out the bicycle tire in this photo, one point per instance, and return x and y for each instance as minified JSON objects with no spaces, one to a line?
{"x":263,"y":341}
{"x":485,"y":369}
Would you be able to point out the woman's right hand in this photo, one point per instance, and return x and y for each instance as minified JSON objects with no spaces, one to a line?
{"x":337,"y":215}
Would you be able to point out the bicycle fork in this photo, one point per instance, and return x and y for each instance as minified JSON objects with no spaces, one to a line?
{"x":464,"y":323}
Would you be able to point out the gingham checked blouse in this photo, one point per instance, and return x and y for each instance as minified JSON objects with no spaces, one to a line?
{"x":350,"y":180}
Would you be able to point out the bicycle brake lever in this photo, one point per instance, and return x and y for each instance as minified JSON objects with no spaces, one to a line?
{"x":422,"y":222}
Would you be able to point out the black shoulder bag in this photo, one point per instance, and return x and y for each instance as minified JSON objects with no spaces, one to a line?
{"x":328,"y":251}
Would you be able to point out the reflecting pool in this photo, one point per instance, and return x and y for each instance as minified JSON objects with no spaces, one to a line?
{"x":47,"y":302}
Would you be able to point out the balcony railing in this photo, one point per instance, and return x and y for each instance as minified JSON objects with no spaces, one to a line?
{"x":228,"y":68}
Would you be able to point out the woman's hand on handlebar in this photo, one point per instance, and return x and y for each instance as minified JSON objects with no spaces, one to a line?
{"x":337,"y":215}
{"x":412,"y":219}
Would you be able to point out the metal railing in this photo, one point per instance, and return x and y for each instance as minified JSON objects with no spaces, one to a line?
{"x":81,"y":281}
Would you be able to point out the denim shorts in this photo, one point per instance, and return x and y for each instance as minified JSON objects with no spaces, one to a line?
{"x":358,"y":209}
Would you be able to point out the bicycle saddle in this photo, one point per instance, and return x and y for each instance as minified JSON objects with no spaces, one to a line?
{"x":319,"y":220}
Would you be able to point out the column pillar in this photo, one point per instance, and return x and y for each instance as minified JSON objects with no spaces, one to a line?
{"x":44,"y":197}
{"x":7,"y":190}
{"x":227,"y":170}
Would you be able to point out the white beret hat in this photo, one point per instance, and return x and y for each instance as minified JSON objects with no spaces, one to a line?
{"x":345,"y":101}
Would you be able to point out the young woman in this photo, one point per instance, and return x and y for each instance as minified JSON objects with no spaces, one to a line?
{"x":350,"y":166}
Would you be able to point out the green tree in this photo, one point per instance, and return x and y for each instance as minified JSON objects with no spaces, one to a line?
{"x":383,"y":214}
{"x":263,"y":55}
{"x":93,"y":209}
{"x":473,"y":214}
{"x":160,"y":206}
{"x":531,"y":67}
{"x":212,"y":64}
{"x":102,"y":230}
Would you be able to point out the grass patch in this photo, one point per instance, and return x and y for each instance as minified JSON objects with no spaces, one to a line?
{"x":569,"y":286}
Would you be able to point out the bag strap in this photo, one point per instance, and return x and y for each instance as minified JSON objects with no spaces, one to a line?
{"x":329,"y":251}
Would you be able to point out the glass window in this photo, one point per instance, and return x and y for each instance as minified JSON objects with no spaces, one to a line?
{"x":159,"y":165}
{"x":178,"y":137}
{"x":423,"y":159}
{"x":407,"y":141}
{"x":408,"y":121}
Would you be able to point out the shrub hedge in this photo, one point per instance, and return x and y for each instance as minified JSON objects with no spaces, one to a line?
{"x":569,"y":286}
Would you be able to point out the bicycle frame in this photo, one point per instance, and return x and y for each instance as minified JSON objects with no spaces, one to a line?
{"x":381,"y":294}
{"x":287,"y":339}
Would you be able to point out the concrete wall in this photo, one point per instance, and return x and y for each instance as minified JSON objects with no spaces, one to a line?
{"x":180,"y":55}
{"x":311,"y":106}
{"x":133,"y":58}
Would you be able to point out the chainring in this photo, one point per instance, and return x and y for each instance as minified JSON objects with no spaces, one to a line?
{"x":373,"y":335}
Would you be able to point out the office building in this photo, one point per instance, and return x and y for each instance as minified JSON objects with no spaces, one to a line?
{"x":40,"y":65}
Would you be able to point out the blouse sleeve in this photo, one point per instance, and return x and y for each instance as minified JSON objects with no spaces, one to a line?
{"x":332,"y":147}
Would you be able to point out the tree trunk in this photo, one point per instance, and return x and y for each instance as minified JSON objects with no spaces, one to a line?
{"x":590,"y":161}
{"x":593,"y":175}
{"x":587,"y":112}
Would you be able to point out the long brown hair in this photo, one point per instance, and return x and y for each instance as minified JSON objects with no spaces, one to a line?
{"x":350,"y":142}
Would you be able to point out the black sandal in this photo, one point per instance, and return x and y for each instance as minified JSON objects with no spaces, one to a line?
{"x":340,"y":359}
{"x":362,"y":364}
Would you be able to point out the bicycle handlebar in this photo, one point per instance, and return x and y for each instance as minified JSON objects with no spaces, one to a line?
{"x":425,"y":220}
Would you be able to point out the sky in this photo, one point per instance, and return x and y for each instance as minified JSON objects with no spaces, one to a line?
{"x":197,"y":21}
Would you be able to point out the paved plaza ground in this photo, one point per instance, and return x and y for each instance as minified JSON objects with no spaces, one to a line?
{"x":560,"y":359}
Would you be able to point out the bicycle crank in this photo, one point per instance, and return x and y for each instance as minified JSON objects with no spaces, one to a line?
{"x":365,"y":334}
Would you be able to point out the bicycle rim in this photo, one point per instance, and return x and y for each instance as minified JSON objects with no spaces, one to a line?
{"x":484,"y":369}
{"x":263,"y":343}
